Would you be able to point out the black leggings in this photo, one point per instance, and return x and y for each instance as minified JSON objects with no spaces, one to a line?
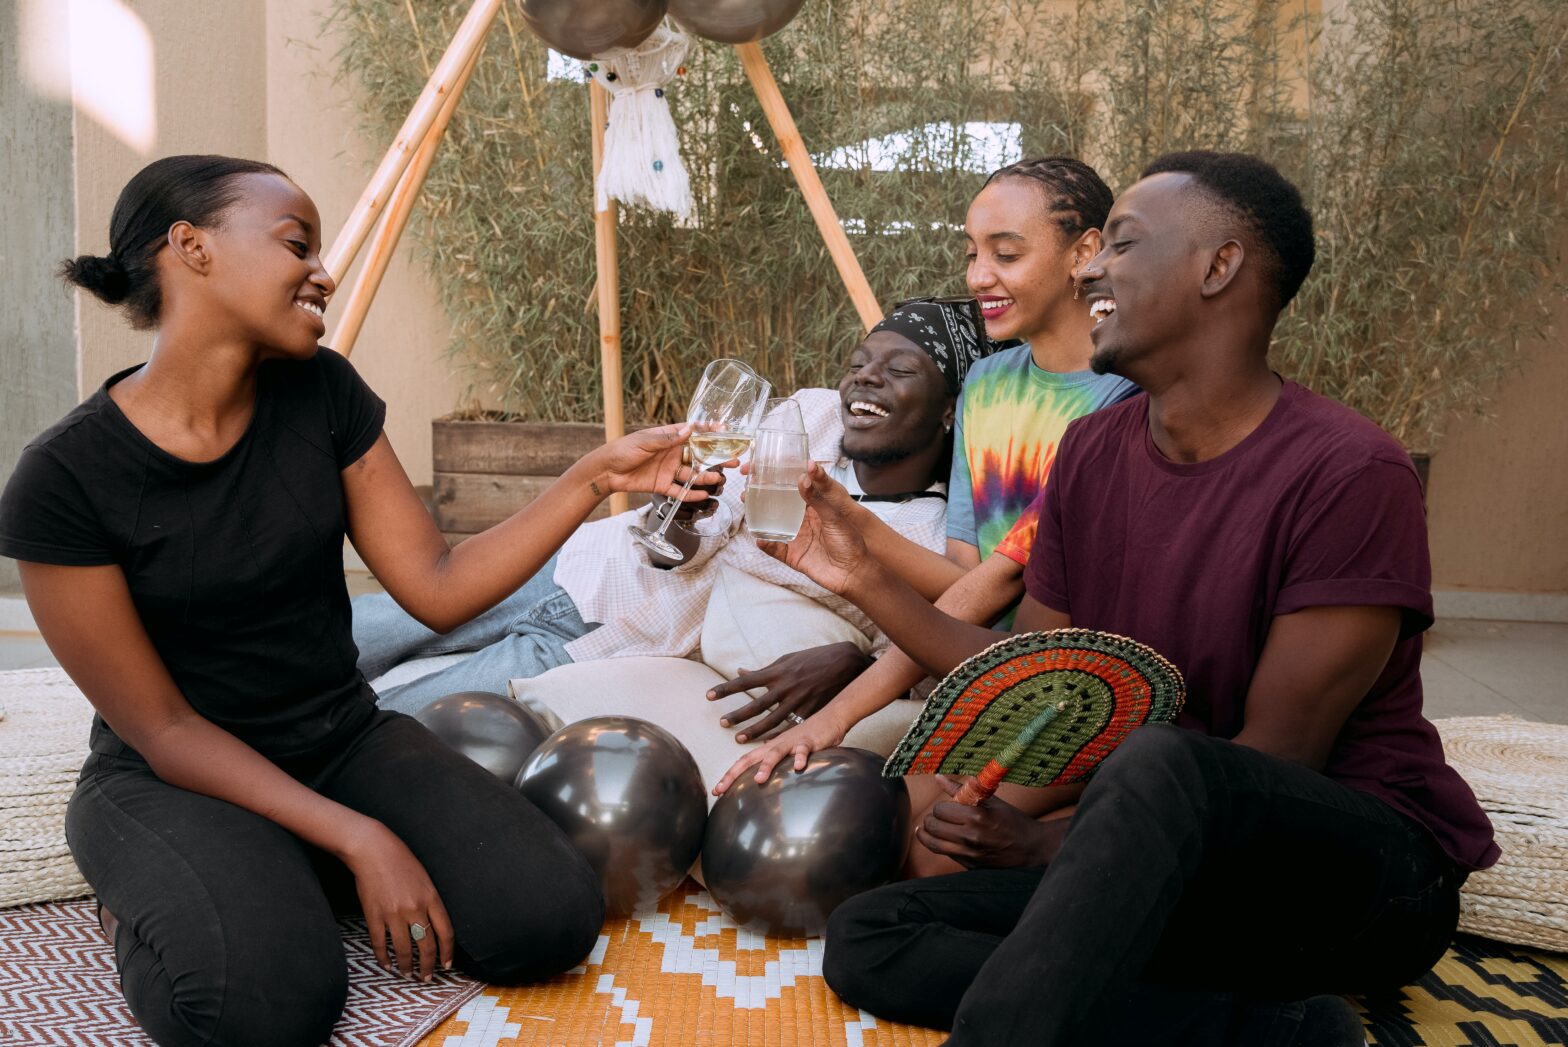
{"x":227,"y":928}
{"x":1193,"y":865}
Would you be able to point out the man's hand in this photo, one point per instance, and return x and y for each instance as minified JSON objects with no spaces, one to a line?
{"x":994,"y":835}
{"x":799,"y":683}
{"x":829,"y":548}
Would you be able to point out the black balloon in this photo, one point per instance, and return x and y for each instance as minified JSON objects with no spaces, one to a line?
{"x":584,"y":28}
{"x":779,"y":857}
{"x":734,"y":21}
{"x":631,"y":799}
{"x":495,"y":732}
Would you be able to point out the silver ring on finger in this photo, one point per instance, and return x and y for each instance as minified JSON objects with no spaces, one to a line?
{"x":795,"y":718}
{"x":416,"y":932}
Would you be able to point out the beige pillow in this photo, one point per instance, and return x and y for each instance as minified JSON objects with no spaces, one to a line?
{"x":670,"y":692}
{"x":752,"y":623}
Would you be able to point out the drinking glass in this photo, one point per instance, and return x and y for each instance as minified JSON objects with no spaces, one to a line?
{"x":729,"y":403}
{"x":774,"y":507}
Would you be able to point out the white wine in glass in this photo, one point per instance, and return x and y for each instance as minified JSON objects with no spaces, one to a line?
{"x":774,"y":507}
{"x":728,"y":404}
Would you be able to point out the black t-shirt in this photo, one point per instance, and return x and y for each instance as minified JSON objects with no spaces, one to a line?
{"x":235,"y":565}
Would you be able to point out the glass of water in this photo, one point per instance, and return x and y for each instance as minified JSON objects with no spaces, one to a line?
{"x":779,"y":454}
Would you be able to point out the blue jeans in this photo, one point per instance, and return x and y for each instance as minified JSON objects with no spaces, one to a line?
{"x":522,"y":636}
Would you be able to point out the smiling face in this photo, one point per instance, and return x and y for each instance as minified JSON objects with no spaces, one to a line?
{"x":1020,"y":260}
{"x":893,"y":400}
{"x":1145,"y":288}
{"x":265,"y":268}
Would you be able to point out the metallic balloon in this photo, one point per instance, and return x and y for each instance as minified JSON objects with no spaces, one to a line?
{"x":630,"y":797}
{"x":495,"y":732}
{"x":734,"y":21}
{"x":584,"y":28}
{"x":779,"y":857}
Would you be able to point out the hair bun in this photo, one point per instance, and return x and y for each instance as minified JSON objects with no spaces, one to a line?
{"x":104,"y":276}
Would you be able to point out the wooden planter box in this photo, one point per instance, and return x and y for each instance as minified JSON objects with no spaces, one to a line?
{"x":486,"y":471}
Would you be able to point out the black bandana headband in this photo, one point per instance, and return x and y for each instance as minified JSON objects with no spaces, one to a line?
{"x":949,"y":330}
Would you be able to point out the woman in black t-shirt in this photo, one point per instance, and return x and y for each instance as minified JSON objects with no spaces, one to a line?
{"x":180,"y":536}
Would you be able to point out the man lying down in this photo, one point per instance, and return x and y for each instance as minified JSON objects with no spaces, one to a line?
{"x":884,"y":434}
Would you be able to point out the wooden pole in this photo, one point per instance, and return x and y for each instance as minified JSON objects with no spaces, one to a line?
{"x":466,"y":43}
{"x":783,"y":123}
{"x":384,"y":246}
{"x":608,"y":284}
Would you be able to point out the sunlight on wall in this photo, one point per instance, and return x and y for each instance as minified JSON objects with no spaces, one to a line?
{"x":98,"y":55}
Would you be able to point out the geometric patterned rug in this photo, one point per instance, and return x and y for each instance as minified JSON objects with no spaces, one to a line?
{"x":1483,"y":993}
{"x":58,"y":987}
{"x":685,"y":974}
{"x":681,"y":974}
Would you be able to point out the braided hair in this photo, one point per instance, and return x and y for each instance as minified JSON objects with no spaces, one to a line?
{"x":1077,"y":198}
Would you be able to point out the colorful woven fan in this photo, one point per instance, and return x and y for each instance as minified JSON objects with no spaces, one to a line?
{"x":1038,"y":709}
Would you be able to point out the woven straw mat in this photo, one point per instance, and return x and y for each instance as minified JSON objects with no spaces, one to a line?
{"x":1519,"y":771}
{"x":43,"y":741}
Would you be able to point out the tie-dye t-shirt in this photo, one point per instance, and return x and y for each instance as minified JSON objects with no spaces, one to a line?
{"x":1011,"y":415}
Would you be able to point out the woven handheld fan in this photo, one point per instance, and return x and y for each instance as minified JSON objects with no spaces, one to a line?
{"x":1038,"y":709}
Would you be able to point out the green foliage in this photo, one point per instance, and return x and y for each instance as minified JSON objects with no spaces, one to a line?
{"x":1425,"y":134}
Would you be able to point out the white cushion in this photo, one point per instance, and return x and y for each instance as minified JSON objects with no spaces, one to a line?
{"x":670,"y":692}
{"x":751,"y":623}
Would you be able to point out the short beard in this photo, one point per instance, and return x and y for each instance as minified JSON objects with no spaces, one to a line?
{"x":1104,"y":361}
{"x":880,"y":456}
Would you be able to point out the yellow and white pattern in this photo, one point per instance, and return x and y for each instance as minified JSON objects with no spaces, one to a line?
{"x":679,"y":973}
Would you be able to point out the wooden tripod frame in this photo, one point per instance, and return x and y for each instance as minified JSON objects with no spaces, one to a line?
{"x":397,"y":181}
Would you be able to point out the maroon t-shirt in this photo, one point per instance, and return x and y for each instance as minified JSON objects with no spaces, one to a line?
{"x":1316,"y":507}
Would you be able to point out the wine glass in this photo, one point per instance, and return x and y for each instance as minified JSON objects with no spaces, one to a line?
{"x":774,"y":507}
{"x":728,"y":403}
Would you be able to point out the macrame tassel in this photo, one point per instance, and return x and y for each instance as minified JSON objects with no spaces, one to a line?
{"x":642,"y":156}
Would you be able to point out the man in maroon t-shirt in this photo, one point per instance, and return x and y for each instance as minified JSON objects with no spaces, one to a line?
{"x":1298,"y":833}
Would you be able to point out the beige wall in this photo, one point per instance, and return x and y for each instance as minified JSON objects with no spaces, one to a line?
{"x":210,"y":86}
{"x":311,"y":134}
{"x":1498,"y":500}
{"x":254,"y":78}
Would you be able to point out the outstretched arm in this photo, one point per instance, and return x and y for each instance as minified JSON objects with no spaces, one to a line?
{"x":444,"y":587}
{"x":928,"y":573}
{"x":831,"y":551}
{"x":979,"y":597}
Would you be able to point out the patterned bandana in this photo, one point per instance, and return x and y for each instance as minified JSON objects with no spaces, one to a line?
{"x":949,"y":330}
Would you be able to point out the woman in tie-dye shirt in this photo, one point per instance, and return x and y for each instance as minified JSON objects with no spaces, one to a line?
{"x":1028,"y":231}
{"x":1031,"y":228}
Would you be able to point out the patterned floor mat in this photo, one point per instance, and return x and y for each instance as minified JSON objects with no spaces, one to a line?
{"x":58,"y":987}
{"x":1482,"y":994}
{"x":685,"y":974}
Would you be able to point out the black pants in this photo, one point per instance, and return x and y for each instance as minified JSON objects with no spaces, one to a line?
{"x":227,"y":929}
{"x":1193,"y":865}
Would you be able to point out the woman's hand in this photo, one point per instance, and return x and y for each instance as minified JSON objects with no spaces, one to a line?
{"x":396,"y":893}
{"x":799,"y":683}
{"x":828,"y":548}
{"x":819,"y":732}
{"x":994,"y":835}
{"x":650,"y":460}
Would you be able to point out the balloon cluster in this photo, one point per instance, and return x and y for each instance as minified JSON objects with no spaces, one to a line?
{"x":777,"y":857}
{"x":585,"y":28}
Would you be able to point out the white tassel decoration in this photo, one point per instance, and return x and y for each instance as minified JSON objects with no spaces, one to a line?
{"x":642,"y":155}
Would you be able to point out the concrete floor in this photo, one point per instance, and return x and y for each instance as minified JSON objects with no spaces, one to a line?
{"x":1471,"y":668}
